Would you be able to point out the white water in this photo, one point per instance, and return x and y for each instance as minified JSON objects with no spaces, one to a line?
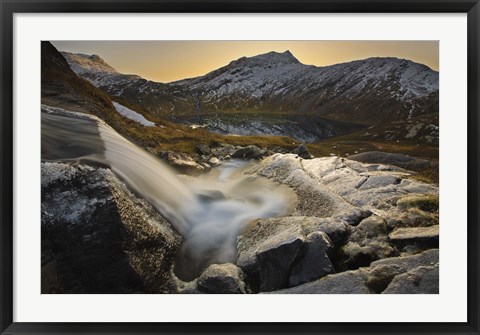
{"x":209,"y":212}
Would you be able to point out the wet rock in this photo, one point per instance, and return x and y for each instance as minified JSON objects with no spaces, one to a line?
{"x":422,"y":280}
{"x":349,"y":282}
{"x":222,"y":278}
{"x":252,"y":151}
{"x":314,"y":262}
{"x":97,"y":237}
{"x":181,"y":162}
{"x":266,"y":252}
{"x":214,"y":161}
{"x":419,"y":236}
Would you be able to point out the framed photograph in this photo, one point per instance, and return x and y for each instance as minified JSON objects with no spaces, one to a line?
{"x":239,"y":167}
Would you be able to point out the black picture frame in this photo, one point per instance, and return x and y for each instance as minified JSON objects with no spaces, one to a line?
{"x":10,"y":7}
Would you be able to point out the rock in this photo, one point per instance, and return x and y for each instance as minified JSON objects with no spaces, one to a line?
{"x":314,"y":198}
{"x":420,"y":236}
{"x":403,"y":161}
{"x":181,"y":162}
{"x":266,"y":252}
{"x":223,"y":150}
{"x":368,"y":228}
{"x":222,"y":278}
{"x":354,"y":216}
{"x":426,"y":258}
{"x":413,"y":217}
{"x":252,"y":151}
{"x":424,"y":202}
{"x":422,"y":280}
{"x":97,"y":237}
{"x":382,"y":272}
{"x":379,"y":181}
{"x":210,"y":195}
{"x":314,"y":262}
{"x":189,"y":287}
{"x":203,"y":149}
{"x":380,"y":276}
{"x":302,"y":151}
{"x":349,"y":282}
{"x":336,"y":229}
{"x":359,"y":254}
{"x":367,"y":243}
{"x":214,"y":161}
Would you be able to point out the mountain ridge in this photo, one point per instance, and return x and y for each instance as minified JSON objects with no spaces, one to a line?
{"x":366,"y":92}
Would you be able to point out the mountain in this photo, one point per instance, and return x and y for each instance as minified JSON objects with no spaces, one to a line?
{"x":263,"y":91}
{"x":96,"y":70}
{"x":61,"y":87}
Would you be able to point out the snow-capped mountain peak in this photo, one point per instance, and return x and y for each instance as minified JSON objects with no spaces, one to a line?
{"x":81,"y":63}
{"x":271,"y":58}
{"x":95,"y":69}
{"x":365,"y":91}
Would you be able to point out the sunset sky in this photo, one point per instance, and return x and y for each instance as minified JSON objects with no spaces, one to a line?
{"x":166,"y":61}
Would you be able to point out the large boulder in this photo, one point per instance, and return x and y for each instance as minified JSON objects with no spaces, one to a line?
{"x":277,"y":253}
{"x":266,"y":252}
{"x":97,"y":237}
{"x":314,"y":263}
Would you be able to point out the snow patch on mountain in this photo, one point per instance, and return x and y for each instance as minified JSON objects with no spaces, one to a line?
{"x":132,"y":115}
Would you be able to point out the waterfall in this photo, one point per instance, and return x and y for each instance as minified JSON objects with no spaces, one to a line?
{"x":209,"y":211}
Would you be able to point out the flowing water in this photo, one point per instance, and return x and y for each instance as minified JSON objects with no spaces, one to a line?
{"x":208,"y":211}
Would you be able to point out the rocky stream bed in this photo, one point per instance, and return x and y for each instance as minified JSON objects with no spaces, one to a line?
{"x":355,"y":228}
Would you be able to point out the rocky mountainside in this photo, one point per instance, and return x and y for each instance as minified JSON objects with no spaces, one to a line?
{"x":366,"y":91}
{"x":62,"y":87}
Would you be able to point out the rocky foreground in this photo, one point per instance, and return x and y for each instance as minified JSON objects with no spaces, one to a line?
{"x":356,"y":228}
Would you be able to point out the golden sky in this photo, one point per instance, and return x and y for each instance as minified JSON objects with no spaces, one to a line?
{"x":166,"y":61}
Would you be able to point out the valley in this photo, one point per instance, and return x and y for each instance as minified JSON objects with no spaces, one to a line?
{"x":265,"y":175}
